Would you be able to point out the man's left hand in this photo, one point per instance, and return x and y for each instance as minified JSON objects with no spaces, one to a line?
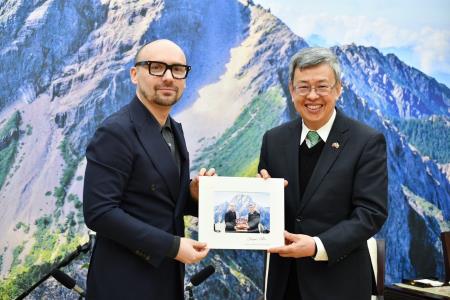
{"x":297,"y":245}
{"x":193,"y":187}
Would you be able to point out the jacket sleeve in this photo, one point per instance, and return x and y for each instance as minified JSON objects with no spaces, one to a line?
{"x":263,"y":159}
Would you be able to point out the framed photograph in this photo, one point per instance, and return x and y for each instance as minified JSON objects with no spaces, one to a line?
{"x":241,"y":212}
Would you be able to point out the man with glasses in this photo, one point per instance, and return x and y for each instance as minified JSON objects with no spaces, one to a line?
{"x":253,"y":218}
{"x":137,"y":187}
{"x":336,"y":193}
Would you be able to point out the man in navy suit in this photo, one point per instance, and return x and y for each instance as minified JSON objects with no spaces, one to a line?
{"x":137,"y":187}
{"x":336,"y":193}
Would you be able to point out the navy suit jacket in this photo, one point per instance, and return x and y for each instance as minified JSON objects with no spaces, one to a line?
{"x":344,"y":204}
{"x":135,"y":198}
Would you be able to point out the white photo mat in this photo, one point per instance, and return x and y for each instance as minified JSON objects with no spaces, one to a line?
{"x":248,"y":197}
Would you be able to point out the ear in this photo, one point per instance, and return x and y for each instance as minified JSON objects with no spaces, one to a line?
{"x":291,"y":90}
{"x":338,"y":88}
{"x":133,"y":75}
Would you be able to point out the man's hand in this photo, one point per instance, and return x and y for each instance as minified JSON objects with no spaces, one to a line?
{"x":297,"y":245}
{"x":193,"y":187}
{"x":265,"y":175}
{"x":190,"y":251}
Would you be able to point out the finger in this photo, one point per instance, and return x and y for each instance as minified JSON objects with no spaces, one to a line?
{"x":290,"y":236}
{"x":286,"y":254}
{"x":264,"y":174}
{"x":285,"y":250}
{"x":258,"y":175}
{"x":202,"y":172}
{"x":211,"y":172}
{"x":199,"y":245}
{"x":287,"y":242}
{"x":203,"y":253}
{"x":276,"y":249}
{"x":199,"y":248}
{"x":286,"y":183}
{"x":195,"y":180}
{"x":283,"y":253}
{"x":199,"y":255}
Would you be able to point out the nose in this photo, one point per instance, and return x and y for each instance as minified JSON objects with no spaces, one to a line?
{"x":312,"y":94}
{"x":167,"y":75}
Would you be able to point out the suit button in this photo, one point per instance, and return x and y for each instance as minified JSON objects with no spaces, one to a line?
{"x":153,"y":187}
{"x":298,"y":219}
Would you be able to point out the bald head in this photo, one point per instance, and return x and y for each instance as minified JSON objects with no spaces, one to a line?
{"x":156,"y":88}
{"x":155,"y":49}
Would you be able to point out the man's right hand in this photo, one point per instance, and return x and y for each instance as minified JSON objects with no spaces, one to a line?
{"x":265,"y":175}
{"x":190,"y":251}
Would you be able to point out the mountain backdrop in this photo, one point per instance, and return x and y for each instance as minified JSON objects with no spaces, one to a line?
{"x":65,"y":67}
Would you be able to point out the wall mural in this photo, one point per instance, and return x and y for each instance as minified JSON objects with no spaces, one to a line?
{"x":65,"y":67}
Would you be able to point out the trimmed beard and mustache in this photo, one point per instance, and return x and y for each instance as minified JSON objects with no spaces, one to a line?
{"x":162,"y":100}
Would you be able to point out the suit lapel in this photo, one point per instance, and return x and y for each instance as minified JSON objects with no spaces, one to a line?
{"x":331,"y":150}
{"x":291,"y":153}
{"x":149,"y":134}
{"x":181,"y":145}
{"x":184,"y":164}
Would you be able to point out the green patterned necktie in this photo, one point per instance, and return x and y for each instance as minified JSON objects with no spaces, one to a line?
{"x":312,"y":138}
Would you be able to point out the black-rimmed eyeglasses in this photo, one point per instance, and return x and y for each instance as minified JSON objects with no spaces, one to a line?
{"x":158,"y":68}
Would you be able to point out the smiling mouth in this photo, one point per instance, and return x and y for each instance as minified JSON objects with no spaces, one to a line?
{"x":314,"y":107}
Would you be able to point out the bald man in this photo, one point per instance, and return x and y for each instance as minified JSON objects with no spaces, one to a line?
{"x":137,"y":187}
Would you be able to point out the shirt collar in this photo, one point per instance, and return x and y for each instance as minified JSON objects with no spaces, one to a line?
{"x":323,"y":131}
{"x":167,"y":125}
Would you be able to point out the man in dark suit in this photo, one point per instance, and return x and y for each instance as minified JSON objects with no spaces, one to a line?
{"x":253,"y":218}
{"x":230,"y":218}
{"x":336,"y":193}
{"x":137,"y":187}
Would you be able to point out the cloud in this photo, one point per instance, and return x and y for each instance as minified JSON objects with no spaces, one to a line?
{"x":434,"y":50}
{"x":430,"y":46}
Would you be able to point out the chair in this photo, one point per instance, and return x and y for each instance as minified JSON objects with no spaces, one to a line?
{"x":378,"y":257}
{"x":445,"y":238}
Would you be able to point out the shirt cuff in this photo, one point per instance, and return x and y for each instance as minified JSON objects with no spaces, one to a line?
{"x":321,"y":254}
{"x":173,"y":251}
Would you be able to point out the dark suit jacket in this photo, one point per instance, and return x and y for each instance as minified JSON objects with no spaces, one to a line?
{"x":253,"y":221}
{"x":135,"y":199}
{"x":230,"y":220}
{"x":344,"y":204}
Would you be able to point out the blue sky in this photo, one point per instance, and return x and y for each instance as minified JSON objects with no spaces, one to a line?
{"x":418,"y":32}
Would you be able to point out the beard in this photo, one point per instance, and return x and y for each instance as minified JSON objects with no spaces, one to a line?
{"x":162,"y":100}
{"x":165,"y":101}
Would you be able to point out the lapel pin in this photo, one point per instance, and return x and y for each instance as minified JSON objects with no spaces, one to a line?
{"x":335,"y":145}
